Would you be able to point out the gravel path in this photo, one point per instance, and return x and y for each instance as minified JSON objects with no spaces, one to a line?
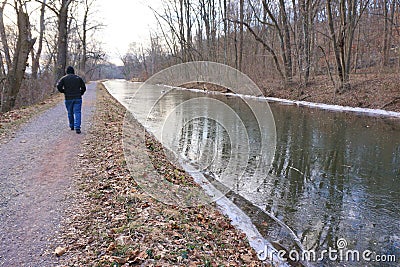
{"x":36,"y":174}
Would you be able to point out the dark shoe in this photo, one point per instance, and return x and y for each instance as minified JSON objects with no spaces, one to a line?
{"x":78,"y":131}
{"x":72,"y":128}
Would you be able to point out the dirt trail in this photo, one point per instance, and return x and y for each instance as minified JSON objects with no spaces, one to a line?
{"x":36,"y":174}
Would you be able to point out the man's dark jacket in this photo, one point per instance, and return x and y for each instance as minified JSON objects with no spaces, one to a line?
{"x":71,"y":85}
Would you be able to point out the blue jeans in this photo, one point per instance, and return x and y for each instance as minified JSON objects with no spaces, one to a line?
{"x":74,"y":107}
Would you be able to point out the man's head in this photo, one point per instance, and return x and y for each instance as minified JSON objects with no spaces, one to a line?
{"x":70,"y":70}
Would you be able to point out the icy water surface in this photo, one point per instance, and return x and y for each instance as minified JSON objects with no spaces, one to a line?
{"x":334,"y":175}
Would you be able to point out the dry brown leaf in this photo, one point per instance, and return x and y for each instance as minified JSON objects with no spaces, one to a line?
{"x":59,"y":251}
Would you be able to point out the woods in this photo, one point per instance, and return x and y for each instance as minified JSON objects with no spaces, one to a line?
{"x":54,"y":33}
{"x":279,"y":44}
{"x":284,"y":42}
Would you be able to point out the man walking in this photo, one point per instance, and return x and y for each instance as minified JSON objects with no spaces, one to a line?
{"x":73,"y":88}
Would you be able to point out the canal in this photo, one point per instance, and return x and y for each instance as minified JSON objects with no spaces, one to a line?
{"x":331,"y":175}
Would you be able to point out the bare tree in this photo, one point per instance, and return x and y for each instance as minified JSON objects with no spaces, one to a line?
{"x":388,"y":28}
{"x":241,"y":19}
{"x":61,"y":11}
{"x":18,"y":65}
{"x":62,"y":45}
{"x":88,"y":25}
{"x":4,"y":40}
{"x":284,"y":30}
{"x":276,"y":17}
{"x":307,"y":11}
{"x":342,"y":35}
{"x":36,"y":56}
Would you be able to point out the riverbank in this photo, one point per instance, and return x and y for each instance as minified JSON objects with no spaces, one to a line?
{"x":373,"y":91}
{"x":114,"y":222}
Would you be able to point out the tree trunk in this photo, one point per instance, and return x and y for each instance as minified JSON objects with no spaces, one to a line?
{"x":307,"y":24}
{"x":62,"y":45}
{"x":36,"y":57}
{"x":213,"y":30}
{"x":4,"y":37}
{"x":351,"y":27}
{"x":146,"y":71}
{"x":335,"y":44}
{"x":283,"y":32}
{"x":2,"y":68}
{"x":204,"y":11}
{"x":225,"y":21}
{"x":82,"y":63}
{"x":392,"y":11}
{"x":182,"y":31}
{"x":388,"y":28}
{"x":236,"y":46}
{"x":287,"y":50}
{"x":17,"y":71}
{"x":188,"y":31}
{"x":241,"y":18}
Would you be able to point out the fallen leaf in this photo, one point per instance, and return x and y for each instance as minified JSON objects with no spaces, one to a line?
{"x":59,"y":251}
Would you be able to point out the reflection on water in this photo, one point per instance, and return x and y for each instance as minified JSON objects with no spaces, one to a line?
{"x":337,"y":176}
{"x":334,"y":175}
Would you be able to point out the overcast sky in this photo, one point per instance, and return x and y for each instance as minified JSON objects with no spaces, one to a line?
{"x":126,"y":21}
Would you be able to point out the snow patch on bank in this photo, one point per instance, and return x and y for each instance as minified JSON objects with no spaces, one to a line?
{"x":366,"y":111}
